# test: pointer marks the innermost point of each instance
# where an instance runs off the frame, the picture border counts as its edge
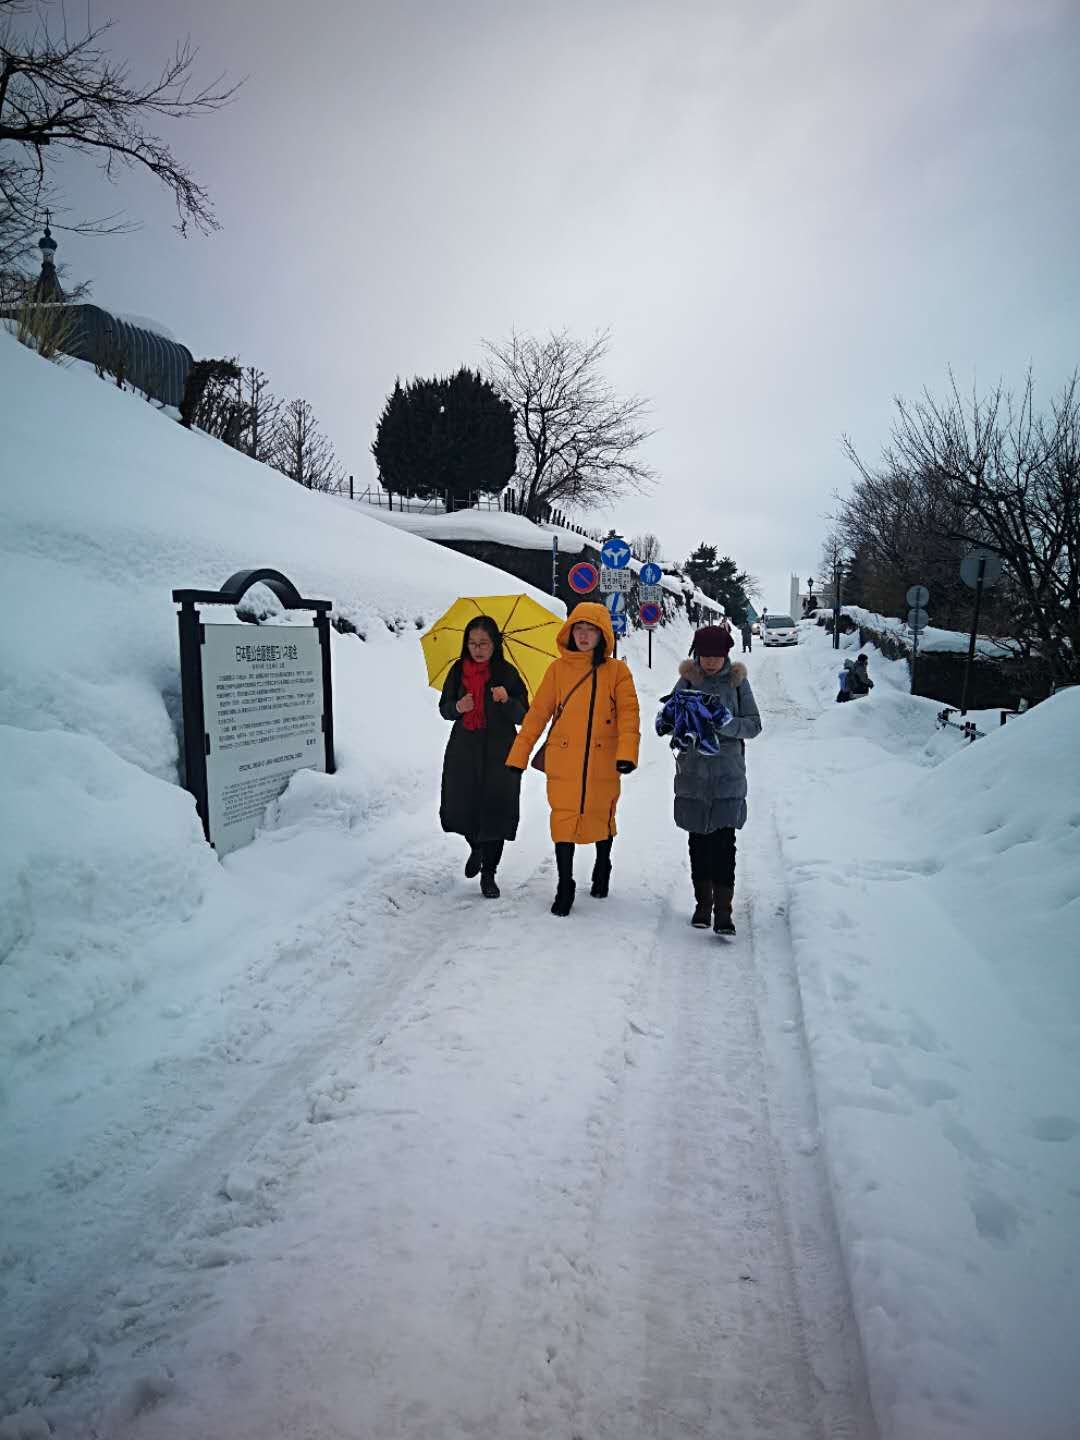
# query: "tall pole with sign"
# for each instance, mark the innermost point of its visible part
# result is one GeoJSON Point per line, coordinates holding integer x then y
{"type": "Point", "coordinates": [978, 569]}
{"type": "Point", "coordinates": [917, 598]}
{"type": "Point", "coordinates": [649, 594]}
{"type": "Point", "coordinates": [615, 581]}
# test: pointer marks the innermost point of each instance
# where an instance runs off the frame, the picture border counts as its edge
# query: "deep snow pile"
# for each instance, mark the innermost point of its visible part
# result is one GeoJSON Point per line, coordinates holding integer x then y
{"type": "Point", "coordinates": [932, 638]}
{"type": "Point", "coordinates": [935, 911]}
{"type": "Point", "coordinates": [106, 506]}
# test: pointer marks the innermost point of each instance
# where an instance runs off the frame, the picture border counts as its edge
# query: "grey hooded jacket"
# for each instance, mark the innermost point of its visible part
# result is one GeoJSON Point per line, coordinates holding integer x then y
{"type": "Point", "coordinates": [710, 790]}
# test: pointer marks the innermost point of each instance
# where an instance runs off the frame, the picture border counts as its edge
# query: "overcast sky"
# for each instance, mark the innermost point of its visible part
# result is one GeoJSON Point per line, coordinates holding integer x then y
{"type": "Point", "coordinates": [786, 213]}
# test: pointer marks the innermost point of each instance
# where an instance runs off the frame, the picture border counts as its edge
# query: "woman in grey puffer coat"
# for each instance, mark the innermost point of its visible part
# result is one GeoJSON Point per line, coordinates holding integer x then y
{"type": "Point", "coordinates": [710, 790]}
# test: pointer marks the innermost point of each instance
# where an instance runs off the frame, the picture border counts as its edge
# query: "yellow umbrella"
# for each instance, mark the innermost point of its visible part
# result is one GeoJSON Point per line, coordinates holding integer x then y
{"type": "Point", "coordinates": [528, 632]}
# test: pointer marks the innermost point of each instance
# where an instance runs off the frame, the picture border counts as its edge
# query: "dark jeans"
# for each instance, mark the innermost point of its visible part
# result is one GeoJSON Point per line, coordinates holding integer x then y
{"type": "Point", "coordinates": [712, 857]}
{"type": "Point", "coordinates": [564, 857]}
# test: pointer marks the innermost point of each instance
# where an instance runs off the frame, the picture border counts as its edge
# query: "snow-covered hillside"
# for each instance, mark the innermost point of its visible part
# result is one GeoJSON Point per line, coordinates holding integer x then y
{"type": "Point", "coordinates": [315, 1141]}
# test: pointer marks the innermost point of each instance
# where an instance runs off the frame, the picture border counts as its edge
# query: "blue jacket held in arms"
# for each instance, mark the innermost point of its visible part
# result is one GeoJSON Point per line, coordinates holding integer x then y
{"type": "Point", "coordinates": [710, 786]}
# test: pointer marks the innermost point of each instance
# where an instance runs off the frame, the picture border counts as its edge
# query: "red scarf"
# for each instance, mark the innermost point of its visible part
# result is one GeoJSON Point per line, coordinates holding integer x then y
{"type": "Point", "coordinates": [475, 678]}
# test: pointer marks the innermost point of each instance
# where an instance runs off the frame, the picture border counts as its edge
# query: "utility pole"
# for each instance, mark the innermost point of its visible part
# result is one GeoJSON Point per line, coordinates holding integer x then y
{"type": "Point", "coordinates": [837, 569]}
{"type": "Point", "coordinates": [980, 580]}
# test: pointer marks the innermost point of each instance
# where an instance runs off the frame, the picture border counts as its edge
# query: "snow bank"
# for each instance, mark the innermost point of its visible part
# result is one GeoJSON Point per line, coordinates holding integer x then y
{"type": "Point", "coordinates": [932, 638]}
{"type": "Point", "coordinates": [106, 506]}
{"type": "Point", "coordinates": [934, 893]}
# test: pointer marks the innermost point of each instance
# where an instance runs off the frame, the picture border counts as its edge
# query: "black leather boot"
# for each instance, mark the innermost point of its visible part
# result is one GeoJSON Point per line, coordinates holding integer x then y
{"type": "Point", "coordinates": [723, 898]}
{"type": "Point", "coordinates": [564, 893]}
{"type": "Point", "coordinates": [601, 875]}
{"type": "Point", "coordinates": [703, 896]}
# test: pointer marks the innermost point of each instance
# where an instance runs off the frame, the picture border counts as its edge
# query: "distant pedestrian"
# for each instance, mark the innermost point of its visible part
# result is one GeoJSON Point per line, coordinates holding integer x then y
{"type": "Point", "coordinates": [858, 677]}
{"type": "Point", "coordinates": [710, 715]}
{"type": "Point", "coordinates": [746, 630]}
{"type": "Point", "coordinates": [486, 699]}
{"type": "Point", "coordinates": [592, 704]}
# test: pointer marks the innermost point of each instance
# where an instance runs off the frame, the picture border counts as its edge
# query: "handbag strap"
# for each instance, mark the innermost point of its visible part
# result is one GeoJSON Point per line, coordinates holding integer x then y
{"type": "Point", "coordinates": [563, 704]}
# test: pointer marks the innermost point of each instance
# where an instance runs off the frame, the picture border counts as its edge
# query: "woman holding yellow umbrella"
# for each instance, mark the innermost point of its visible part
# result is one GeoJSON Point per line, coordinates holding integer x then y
{"type": "Point", "coordinates": [590, 698]}
{"type": "Point", "coordinates": [486, 699]}
{"type": "Point", "coordinates": [485, 656]}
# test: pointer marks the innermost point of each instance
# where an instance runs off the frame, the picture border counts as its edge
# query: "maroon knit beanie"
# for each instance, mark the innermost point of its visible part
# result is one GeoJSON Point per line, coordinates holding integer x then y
{"type": "Point", "coordinates": [711, 640]}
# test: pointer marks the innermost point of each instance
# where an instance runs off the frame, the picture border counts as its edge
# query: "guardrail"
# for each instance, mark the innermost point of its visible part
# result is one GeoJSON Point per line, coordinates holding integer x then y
{"type": "Point", "coordinates": [968, 728]}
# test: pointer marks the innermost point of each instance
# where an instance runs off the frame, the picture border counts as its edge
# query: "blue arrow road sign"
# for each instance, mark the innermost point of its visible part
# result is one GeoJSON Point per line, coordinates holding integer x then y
{"type": "Point", "coordinates": [615, 553]}
{"type": "Point", "coordinates": [618, 623]}
{"type": "Point", "coordinates": [615, 601]}
{"type": "Point", "coordinates": [651, 574]}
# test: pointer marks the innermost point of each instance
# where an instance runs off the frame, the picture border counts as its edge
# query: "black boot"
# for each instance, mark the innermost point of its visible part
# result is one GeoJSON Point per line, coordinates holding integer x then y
{"type": "Point", "coordinates": [601, 875]}
{"type": "Point", "coordinates": [703, 896]}
{"type": "Point", "coordinates": [475, 861]}
{"type": "Point", "coordinates": [491, 851]}
{"type": "Point", "coordinates": [723, 898]}
{"type": "Point", "coordinates": [564, 893]}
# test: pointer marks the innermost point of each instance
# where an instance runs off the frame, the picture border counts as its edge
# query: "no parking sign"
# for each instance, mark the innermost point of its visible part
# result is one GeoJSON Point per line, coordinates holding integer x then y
{"type": "Point", "coordinates": [649, 615]}
{"type": "Point", "coordinates": [583, 578]}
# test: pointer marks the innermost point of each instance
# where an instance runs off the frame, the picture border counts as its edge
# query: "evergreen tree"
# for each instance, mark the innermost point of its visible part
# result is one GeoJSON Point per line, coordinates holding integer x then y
{"type": "Point", "coordinates": [720, 579]}
{"type": "Point", "coordinates": [451, 435]}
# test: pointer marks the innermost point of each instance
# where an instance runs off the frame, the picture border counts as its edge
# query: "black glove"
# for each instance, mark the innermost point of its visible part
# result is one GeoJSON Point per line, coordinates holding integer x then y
{"type": "Point", "coordinates": [625, 767]}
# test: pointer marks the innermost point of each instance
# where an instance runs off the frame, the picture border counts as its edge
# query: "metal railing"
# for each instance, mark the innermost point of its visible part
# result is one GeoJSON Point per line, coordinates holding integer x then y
{"type": "Point", "coordinates": [968, 728]}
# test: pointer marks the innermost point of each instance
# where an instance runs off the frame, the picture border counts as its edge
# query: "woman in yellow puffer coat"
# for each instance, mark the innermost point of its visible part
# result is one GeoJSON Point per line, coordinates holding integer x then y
{"type": "Point", "coordinates": [593, 741]}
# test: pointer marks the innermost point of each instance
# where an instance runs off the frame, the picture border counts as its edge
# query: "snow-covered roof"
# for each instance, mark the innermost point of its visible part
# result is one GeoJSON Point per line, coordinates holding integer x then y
{"type": "Point", "coordinates": [499, 527]}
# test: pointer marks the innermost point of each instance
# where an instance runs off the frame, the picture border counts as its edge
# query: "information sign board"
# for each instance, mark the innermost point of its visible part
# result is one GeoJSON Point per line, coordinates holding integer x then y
{"type": "Point", "coordinates": [262, 711]}
{"type": "Point", "coordinates": [651, 574]}
{"type": "Point", "coordinates": [616, 579]}
{"type": "Point", "coordinates": [649, 594]}
{"type": "Point", "coordinates": [257, 704]}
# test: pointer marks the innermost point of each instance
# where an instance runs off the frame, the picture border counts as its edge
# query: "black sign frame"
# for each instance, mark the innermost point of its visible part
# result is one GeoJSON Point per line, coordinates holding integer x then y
{"type": "Point", "coordinates": [192, 632]}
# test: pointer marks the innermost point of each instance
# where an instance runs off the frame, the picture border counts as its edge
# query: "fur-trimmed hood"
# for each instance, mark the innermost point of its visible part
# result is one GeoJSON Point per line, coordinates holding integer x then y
{"type": "Point", "coordinates": [733, 673]}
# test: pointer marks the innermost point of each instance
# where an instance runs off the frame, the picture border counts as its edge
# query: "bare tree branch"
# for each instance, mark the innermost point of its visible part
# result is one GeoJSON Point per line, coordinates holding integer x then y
{"type": "Point", "coordinates": [61, 95]}
{"type": "Point", "coordinates": [577, 440]}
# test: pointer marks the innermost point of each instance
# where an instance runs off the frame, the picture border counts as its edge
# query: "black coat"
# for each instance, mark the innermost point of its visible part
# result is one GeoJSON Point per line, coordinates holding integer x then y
{"type": "Point", "coordinates": [480, 796]}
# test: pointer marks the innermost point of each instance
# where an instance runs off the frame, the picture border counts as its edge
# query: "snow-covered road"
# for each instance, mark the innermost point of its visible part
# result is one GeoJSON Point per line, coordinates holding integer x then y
{"type": "Point", "coordinates": [442, 1167]}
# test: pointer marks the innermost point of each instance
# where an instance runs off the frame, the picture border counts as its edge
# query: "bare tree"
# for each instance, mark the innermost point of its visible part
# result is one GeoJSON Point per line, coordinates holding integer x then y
{"type": "Point", "coordinates": [992, 472]}
{"type": "Point", "coordinates": [646, 547]}
{"type": "Point", "coordinates": [301, 450]}
{"type": "Point", "coordinates": [577, 440]}
{"type": "Point", "coordinates": [60, 95]}
{"type": "Point", "coordinates": [260, 411]}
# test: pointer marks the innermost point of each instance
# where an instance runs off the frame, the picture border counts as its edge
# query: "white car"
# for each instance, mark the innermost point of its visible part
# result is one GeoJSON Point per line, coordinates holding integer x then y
{"type": "Point", "coordinates": [779, 630]}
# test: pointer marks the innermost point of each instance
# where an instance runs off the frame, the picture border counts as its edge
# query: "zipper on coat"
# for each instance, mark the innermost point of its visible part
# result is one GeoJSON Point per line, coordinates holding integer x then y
{"type": "Point", "coordinates": [588, 743]}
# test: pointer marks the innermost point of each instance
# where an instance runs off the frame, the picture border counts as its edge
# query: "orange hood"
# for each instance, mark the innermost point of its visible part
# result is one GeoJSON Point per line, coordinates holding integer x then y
{"type": "Point", "coordinates": [596, 615]}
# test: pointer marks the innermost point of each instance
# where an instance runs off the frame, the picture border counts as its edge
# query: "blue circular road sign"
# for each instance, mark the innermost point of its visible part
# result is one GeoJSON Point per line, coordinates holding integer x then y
{"type": "Point", "coordinates": [615, 553]}
{"type": "Point", "coordinates": [651, 574]}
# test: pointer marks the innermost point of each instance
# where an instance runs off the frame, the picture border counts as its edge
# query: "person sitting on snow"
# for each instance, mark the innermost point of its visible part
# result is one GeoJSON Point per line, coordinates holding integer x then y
{"type": "Point", "coordinates": [858, 677]}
